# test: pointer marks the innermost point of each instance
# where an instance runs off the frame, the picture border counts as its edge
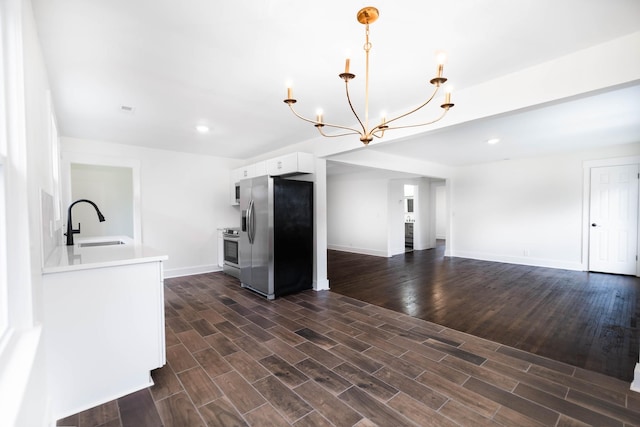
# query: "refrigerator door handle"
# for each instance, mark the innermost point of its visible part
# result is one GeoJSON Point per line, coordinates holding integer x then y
{"type": "Point", "coordinates": [250, 222]}
{"type": "Point", "coordinates": [253, 221]}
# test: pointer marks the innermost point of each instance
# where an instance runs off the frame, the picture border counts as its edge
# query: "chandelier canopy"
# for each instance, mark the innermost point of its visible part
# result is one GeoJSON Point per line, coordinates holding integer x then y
{"type": "Point", "coordinates": [366, 16]}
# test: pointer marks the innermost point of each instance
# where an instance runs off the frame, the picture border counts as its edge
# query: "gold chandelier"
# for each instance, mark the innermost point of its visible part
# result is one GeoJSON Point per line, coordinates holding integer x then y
{"type": "Point", "coordinates": [366, 16]}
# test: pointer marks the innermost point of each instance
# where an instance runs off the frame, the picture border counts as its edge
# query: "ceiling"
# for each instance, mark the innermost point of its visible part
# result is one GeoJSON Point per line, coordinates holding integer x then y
{"type": "Point", "coordinates": [226, 65]}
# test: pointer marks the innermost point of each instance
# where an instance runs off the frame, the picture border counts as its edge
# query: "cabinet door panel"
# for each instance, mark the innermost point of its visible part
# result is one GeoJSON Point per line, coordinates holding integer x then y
{"type": "Point", "coordinates": [290, 164]}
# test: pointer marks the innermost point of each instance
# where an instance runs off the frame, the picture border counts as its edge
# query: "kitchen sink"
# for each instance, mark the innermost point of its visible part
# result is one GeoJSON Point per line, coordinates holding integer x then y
{"type": "Point", "coordinates": [105, 243]}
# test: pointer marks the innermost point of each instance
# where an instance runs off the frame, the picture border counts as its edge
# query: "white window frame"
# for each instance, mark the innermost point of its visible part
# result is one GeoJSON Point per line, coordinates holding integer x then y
{"type": "Point", "coordinates": [20, 340]}
{"type": "Point", "coordinates": [4, 117]}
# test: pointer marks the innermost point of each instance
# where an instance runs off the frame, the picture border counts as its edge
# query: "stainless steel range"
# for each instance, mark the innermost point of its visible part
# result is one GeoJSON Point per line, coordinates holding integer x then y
{"type": "Point", "coordinates": [231, 238]}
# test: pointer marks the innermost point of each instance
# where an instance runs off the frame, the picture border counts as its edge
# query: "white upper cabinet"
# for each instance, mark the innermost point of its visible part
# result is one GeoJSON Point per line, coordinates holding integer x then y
{"type": "Point", "coordinates": [291, 164]}
{"type": "Point", "coordinates": [249, 171]}
{"type": "Point", "coordinates": [260, 169]}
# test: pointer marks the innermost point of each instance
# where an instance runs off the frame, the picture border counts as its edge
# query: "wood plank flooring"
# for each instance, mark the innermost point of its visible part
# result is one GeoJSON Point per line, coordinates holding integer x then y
{"type": "Point", "coordinates": [325, 359]}
{"type": "Point", "coordinates": [585, 319]}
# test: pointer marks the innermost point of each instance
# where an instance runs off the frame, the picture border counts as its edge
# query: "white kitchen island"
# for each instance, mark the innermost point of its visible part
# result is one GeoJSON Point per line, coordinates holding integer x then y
{"type": "Point", "coordinates": [103, 323]}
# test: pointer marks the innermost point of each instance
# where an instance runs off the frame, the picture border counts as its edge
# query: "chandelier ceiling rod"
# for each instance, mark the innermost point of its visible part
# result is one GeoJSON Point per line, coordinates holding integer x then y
{"type": "Point", "coordinates": [366, 16]}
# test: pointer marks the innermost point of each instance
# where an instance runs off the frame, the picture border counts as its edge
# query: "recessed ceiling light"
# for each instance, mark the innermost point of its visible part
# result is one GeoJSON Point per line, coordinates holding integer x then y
{"type": "Point", "coordinates": [202, 128]}
{"type": "Point", "coordinates": [493, 141]}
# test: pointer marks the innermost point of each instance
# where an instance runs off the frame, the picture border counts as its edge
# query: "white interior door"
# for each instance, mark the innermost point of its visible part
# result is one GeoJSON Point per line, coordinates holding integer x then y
{"type": "Point", "coordinates": [613, 219]}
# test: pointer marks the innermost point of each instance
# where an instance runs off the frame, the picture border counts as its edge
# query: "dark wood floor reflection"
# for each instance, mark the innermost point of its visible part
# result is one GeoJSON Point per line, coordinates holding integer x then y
{"type": "Point", "coordinates": [323, 359]}
{"type": "Point", "coordinates": [588, 320]}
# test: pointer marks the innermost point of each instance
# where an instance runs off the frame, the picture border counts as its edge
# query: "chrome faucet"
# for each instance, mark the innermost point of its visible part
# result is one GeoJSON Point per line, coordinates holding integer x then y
{"type": "Point", "coordinates": [70, 231]}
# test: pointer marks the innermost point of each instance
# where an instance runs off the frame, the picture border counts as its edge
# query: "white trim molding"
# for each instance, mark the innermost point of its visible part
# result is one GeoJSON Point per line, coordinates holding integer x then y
{"type": "Point", "coordinates": [363, 251]}
{"type": "Point", "coordinates": [190, 271]}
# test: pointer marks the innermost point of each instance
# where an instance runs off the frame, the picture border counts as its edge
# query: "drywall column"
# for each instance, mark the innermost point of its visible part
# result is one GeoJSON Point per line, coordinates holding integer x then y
{"type": "Point", "coordinates": [320, 280]}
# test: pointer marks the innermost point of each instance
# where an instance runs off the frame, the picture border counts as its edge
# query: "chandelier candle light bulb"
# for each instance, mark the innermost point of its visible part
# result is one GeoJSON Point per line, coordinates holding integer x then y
{"type": "Point", "coordinates": [447, 99]}
{"type": "Point", "coordinates": [366, 16]}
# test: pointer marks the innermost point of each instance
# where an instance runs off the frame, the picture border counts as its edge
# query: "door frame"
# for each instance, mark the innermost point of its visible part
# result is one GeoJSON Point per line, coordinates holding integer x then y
{"type": "Point", "coordinates": [587, 166]}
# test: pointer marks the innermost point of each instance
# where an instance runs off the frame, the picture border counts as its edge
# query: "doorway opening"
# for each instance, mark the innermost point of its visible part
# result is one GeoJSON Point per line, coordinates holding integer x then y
{"type": "Point", "coordinates": [440, 208]}
{"type": "Point", "coordinates": [409, 216]}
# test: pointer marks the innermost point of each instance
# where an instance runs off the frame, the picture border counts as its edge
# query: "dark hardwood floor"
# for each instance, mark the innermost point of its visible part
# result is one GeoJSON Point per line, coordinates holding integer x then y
{"type": "Point", "coordinates": [321, 359]}
{"type": "Point", "coordinates": [584, 319]}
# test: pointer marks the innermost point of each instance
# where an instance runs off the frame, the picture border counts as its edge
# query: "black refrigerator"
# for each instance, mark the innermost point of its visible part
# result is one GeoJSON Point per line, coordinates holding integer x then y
{"type": "Point", "coordinates": [276, 235]}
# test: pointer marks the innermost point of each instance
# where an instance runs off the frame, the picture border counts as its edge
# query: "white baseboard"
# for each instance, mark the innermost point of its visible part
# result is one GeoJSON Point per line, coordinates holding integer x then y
{"type": "Point", "coordinates": [190, 271]}
{"type": "Point", "coordinates": [635, 385]}
{"type": "Point", "coordinates": [508, 259]}
{"type": "Point", "coordinates": [363, 251]}
{"type": "Point", "coordinates": [321, 285]}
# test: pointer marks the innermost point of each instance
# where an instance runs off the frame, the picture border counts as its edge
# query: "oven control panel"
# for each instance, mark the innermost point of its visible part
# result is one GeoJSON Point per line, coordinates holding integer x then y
{"type": "Point", "coordinates": [231, 232]}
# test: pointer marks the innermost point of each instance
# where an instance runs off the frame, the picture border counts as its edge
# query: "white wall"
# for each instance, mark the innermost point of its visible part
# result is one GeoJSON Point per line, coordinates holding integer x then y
{"type": "Point", "coordinates": [527, 211]}
{"type": "Point", "coordinates": [319, 177]}
{"type": "Point", "coordinates": [111, 189]}
{"type": "Point", "coordinates": [25, 144]}
{"type": "Point", "coordinates": [357, 215]}
{"type": "Point", "coordinates": [441, 210]}
{"type": "Point", "coordinates": [524, 211]}
{"type": "Point", "coordinates": [395, 207]}
{"type": "Point", "coordinates": [365, 214]}
{"type": "Point", "coordinates": [424, 219]}
{"type": "Point", "coordinates": [184, 199]}
{"type": "Point", "coordinates": [40, 177]}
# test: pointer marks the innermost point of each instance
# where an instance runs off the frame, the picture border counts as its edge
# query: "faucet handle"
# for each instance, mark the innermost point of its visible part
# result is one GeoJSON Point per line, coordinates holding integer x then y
{"type": "Point", "coordinates": [73, 231]}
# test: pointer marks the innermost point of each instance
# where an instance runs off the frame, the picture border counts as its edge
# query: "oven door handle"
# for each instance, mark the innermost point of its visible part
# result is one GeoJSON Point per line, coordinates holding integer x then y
{"type": "Point", "coordinates": [250, 222]}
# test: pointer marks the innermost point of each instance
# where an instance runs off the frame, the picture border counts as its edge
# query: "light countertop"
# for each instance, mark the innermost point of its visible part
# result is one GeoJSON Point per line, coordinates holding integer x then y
{"type": "Point", "coordinates": [77, 257]}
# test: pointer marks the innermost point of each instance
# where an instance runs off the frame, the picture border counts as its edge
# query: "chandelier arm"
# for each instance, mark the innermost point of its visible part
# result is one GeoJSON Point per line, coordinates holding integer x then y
{"type": "Point", "coordinates": [353, 132]}
{"type": "Point", "coordinates": [315, 122]}
{"type": "Point", "coordinates": [433, 95]}
{"type": "Point", "coordinates": [420, 124]}
{"type": "Point", "coordinates": [364, 130]}
{"type": "Point", "coordinates": [299, 116]}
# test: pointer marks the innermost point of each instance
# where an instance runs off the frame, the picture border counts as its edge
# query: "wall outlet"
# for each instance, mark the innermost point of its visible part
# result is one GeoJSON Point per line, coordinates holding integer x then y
{"type": "Point", "coordinates": [525, 252]}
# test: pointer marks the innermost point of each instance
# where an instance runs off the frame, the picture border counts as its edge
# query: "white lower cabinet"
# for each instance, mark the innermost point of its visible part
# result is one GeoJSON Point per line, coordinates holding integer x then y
{"type": "Point", "coordinates": [104, 333]}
